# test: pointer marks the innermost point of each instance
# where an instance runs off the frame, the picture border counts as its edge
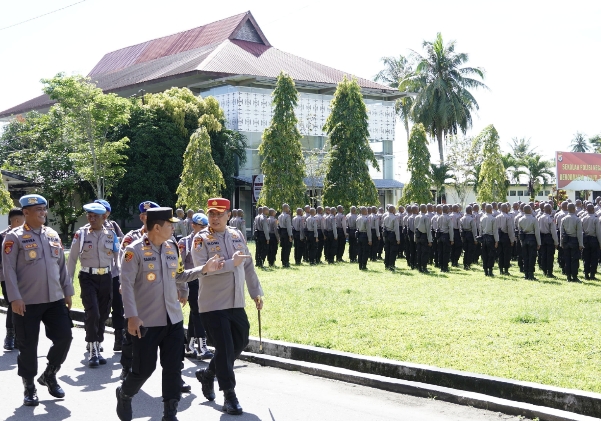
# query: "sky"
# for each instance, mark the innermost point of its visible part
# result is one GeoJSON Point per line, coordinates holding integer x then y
{"type": "Point", "coordinates": [541, 58]}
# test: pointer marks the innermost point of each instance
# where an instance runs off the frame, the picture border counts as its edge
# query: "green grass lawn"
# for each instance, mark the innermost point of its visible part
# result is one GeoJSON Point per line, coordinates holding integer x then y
{"type": "Point", "coordinates": [545, 331]}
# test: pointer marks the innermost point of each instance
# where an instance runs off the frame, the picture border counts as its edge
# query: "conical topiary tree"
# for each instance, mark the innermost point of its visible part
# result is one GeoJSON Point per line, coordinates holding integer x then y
{"type": "Point", "coordinates": [492, 184]}
{"type": "Point", "coordinates": [418, 164]}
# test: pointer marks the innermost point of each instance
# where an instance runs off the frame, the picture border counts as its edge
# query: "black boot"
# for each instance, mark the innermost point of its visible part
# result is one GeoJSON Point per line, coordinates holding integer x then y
{"type": "Point", "coordinates": [207, 380]}
{"type": "Point", "coordinates": [230, 403]}
{"type": "Point", "coordinates": [48, 379]}
{"type": "Point", "coordinates": [170, 410]}
{"type": "Point", "coordinates": [186, 388]}
{"type": "Point", "coordinates": [118, 346]}
{"type": "Point", "coordinates": [124, 411]}
{"type": "Point", "coordinates": [30, 394]}
{"type": "Point", "coordinates": [9, 341]}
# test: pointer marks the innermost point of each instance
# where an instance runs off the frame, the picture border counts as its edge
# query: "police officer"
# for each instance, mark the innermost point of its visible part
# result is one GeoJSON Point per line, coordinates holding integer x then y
{"type": "Point", "coordinates": [241, 223]}
{"type": "Point", "coordinates": [423, 239]}
{"type": "Point", "coordinates": [95, 246]}
{"type": "Point", "coordinates": [285, 229]}
{"type": "Point", "coordinates": [151, 269]}
{"type": "Point", "coordinates": [364, 238]}
{"type": "Point", "coordinates": [457, 244]}
{"type": "Point", "coordinates": [298, 235]}
{"type": "Point", "coordinates": [530, 238]}
{"type": "Point", "coordinates": [549, 241]}
{"type": "Point", "coordinates": [15, 219]}
{"type": "Point", "coordinates": [591, 227]}
{"type": "Point", "coordinates": [197, 336]}
{"type": "Point", "coordinates": [351, 220]}
{"type": "Point", "coordinates": [341, 232]}
{"type": "Point", "coordinates": [312, 236]}
{"type": "Point", "coordinates": [490, 240]}
{"type": "Point", "coordinates": [571, 239]}
{"type": "Point", "coordinates": [469, 232]}
{"type": "Point", "coordinates": [411, 248]}
{"type": "Point", "coordinates": [320, 236]}
{"type": "Point", "coordinates": [393, 238]}
{"type": "Point", "coordinates": [221, 300]}
{"type": "Point", "coordinates": [506, 239]}
{"type": "Point", "coordinates": [446, 238]}
{"type": "Point", "coordinates": [117, 318]}
{"type": "Point", "coordinates": [39, 291]}
{"type": "Point", "coordinates": [129, 238]}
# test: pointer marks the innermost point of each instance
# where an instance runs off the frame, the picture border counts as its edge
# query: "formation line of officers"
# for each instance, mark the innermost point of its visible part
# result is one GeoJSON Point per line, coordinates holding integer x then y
{"type": "Point", "coordinates": [435, 235]}
{"type": "Point", "coordinates": [145, 277]}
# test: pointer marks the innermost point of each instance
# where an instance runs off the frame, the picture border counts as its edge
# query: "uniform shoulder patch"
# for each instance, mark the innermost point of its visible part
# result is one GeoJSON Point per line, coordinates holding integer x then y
{"type": "Point", "coordinates": [8, 246]}
{"type": "Point", "coordinates": [129, 255]}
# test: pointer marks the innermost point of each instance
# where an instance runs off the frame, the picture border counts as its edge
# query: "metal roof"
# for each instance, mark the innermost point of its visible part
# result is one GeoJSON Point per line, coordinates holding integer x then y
{"type": "Point", "coordinates": [204, 54]}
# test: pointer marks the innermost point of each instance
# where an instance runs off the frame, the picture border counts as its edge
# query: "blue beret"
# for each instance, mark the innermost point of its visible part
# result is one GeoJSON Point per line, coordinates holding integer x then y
{"type": "Point", "coordinates": [104, 203]}
{"type": "Point", "coordinates": [31, 200]}
{"type": "Point", "coordinates": [144, 206]}
{"type": "Point", "coordinates": [200, 219]}
{"type": "Point", "coordinates": [96, 208]}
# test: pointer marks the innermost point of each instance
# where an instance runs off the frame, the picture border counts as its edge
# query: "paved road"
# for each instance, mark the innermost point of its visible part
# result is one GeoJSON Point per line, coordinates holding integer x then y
{"type": "Point", "coordinates": [266, 394]}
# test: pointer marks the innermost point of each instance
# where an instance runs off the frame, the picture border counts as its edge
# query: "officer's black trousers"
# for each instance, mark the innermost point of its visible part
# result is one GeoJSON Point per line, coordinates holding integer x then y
{"type": "Point", "coordinates": [445, 251]}
{"type": "Point", "coordinates": [547, 253]}
{"type": "Point", "coordinates": [9, 310]}
{"type": "Point", "coordinates": [375, 244]}
{"type": "Point", "coordinates": [195, 328]}
{"type": "Point", "coordinates": [311, 246]}
{"type": "Point", "coordinates": [402, 246]}
{"type": "Point", "coordinates": [261, 250]}
{"type": "Point", "coordinates": [286, 247]}
{"type": "Point", "coordinates": [422, 250]}
{"type": "Point", "coordinates": [363, 249]}
{"type": "Point", "coordinates": [469, 248]}
{"type": "Point", "coordinates": [504, 250]}
{"type": "Point", "coordinates": [488, 252]}
{"type": "Point", "coordinates": [381, 243]}
{"type": "Point", "coordinates": [272, 250]}
{"type": "Point", "coordinates": [529, 253]}
{"type": "Point", "coordinates": [410, 251]}
{"type": "Point", "coordinates": [228, 331]}
{"type": "Point", "coordinates": [456, 249]}
{"type": "Point", "coordinates": [590, 255]}
{"type": "Point", "coordinates": [434, 251]}
{"type": "Point", "coordinates": [117, 306]}
{"type": "Point", "coordinates": [127, 349]}
{"type": "Point", "coordinates": [96, 297]}
{"type": "Point", "coordinates": [330, 246]}
{"type": "Point", "coordinates": [560, 259]}
{"type": "Point", "coordinates": [352, 244]}
{"type": "Point", "coordinates": [299, 247]}
{"type": "Point", "coordinates": [168, 340]}
{"type": "Point", "coordinates": [390, 249]}
{"type": "Point", "coordinates": [320, 245]}
{"type": "Point", "coordinates": [519, 251]}
{"type": "Point", "coordinates": [341, 244]}
{"type": "Point", "coordinates": [57, 322]}
{"type": "Point", "coordinates": [571, 255]}
{"type": "Point", "coordinates": [334, 246]}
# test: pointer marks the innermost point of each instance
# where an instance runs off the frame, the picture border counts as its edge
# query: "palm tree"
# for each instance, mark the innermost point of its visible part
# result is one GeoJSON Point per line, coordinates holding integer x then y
{"type": "Point", "coordinates": [443, 103]}
{"type": "Point", "coordinates": [538, 171]}
{"type": "Point", "coordinates": [579, 143]}
{"type": "Point", "coordinates": [520, 148]}
{"type": "Point", "coordinates": [439, 175]}
{"type": "Point", "coordinates": [395, 70]}
{"type": "Point", "coordinates": [595, 142]}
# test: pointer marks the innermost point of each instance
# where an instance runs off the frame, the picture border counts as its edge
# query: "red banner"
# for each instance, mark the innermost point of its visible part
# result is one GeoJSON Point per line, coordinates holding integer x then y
{"type": "Point", "coordinates": [575, 165]}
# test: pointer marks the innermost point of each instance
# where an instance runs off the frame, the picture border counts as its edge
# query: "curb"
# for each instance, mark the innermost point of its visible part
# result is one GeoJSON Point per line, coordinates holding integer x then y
{"type": "Point", "coordinates": [445, 394]}
{"type": "Point", "coordinates": [420, 380]}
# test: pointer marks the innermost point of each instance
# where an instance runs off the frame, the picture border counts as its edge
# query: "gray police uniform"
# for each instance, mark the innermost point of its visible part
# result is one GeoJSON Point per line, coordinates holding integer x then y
{"type": "Point", "coordinates": [469, 231]}
{"type": "Point", "coordinates": [506, 238]}
{"type": "Point", "coordinates": [150, 276]}
{"type": "Point", "coordinates": [285, 227]}
{"type": "Point", "coordinates": [364, 237]}
{"type": "Point", "coordinates": [298, 236]}
{"type": "Point", "coordinates": [9, 310]}
{"type": "Point", "coordinates": [311, 235]}
{"type": "Point", "coordinates": [195, 328]}
{"type": "Point", "coordinates": [392, 238]}
{"type": "Point", "coordinates": [571, 239]}
{"type": "Point", "coordinates": [95, 251]}
{"type": "Point", "coordinates": [35, 272]}
{"type": "Point", "coordinates": [548, 240]}
{"type": "Point", "coordinates": [591, 227]}
{"type": "Point", "coordinates": [221, 299]}
{"type": "Point", "coordinates": [351, 220]}
{"type": "Point", "coordinates": [490, 236]}
{"type": "Point", "coordinates": [423, 236]}
{"type": "Point", "coordinates": [342, 233]}
{"type": "Point", "coordinates": [445, 238]}
{"type": "Point", "coordinates": [530, 232]}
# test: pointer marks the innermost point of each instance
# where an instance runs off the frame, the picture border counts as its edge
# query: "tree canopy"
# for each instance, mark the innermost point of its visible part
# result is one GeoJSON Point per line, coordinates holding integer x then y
{"type": "Point", "coordinates": [347, 181]}
{"type": "Point", "coordinates": [282, 162]}
{"type": "Point", "coordinates": [418, 164]}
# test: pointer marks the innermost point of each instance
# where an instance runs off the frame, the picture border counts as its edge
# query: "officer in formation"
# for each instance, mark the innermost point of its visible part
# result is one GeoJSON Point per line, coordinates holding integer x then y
{"type": "Point", "coordinates": [39, 290]}
{"type": "Point", "coordinates": [196, 341]}
{"type": "Point", "coordinates": [351, 220]}
{"type": "Point", "coordinates": [490, 240]}
{"type": "Point", "coordinates": [469, 232]}
{"type": "Point", "coordinates": [15, 219]}
{"type": "Point", "coordinates": [392, 237]}
{"type": "Point", "coordinates": [423, 239]}
{"type": "Point", "coordinates": [225, 264]}
{"type": "Point", "coordinates": [96, 247]}
{"type": "Point", "coordinates": [152, 280]}
{"type": "Point", "coordinates": [285, 230]}
{"type": "Point", "coordinates": [298, 236]}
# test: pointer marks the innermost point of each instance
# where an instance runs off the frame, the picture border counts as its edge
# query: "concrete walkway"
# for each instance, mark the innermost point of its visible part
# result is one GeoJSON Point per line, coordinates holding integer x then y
{"type": "Point", "coordinates": [265, 393]}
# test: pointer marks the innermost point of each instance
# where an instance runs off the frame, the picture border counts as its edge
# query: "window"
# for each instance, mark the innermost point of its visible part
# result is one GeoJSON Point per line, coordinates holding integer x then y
{"type": "Point", "coordinates": [512, 192]}
{"type": "Point", "coordinates": [547, 192]}
{"type": "Point", "coordinates": [540, 193]}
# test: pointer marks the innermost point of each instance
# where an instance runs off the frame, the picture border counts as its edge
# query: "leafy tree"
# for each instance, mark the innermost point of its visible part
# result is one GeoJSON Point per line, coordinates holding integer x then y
{"type": "Point", "coordinates": [443, 103]}
{"type": "Point", "coordinates": [418, 164]}
{"type": "Point", "coordinates": [90, 115]}
{"type": "Point", "coordinates": [6, 203]}
{"type": "Point", "coordinates": [228, 148]}
{"type": "Point", "coordinates": [440, 175]}
{"type": "Point", "coordinates": [316, 164]}
{"type": "Point", "coordinates": [281, 152]}
{"type": "Point", "coordinates": [520, 148]}
{"type": "Point", "coordinates": [201, 179]}
{"type": "Point", "coordinates": [347, 181]}
{"type": "Point", "coordinates": [395, 70]}
{"type": "Point", "coordinates": [464, 159]}
{"type": "Point", "coordinates": [538, 171]}
{"type": "Point", "coordinates": [595, 142]}
{"type": "Point", "coordinates": [44, 157]}
{"type": "Point", "coordinates": [579, 143]}
{"type": "Point", "coordinates": [492, 179]}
